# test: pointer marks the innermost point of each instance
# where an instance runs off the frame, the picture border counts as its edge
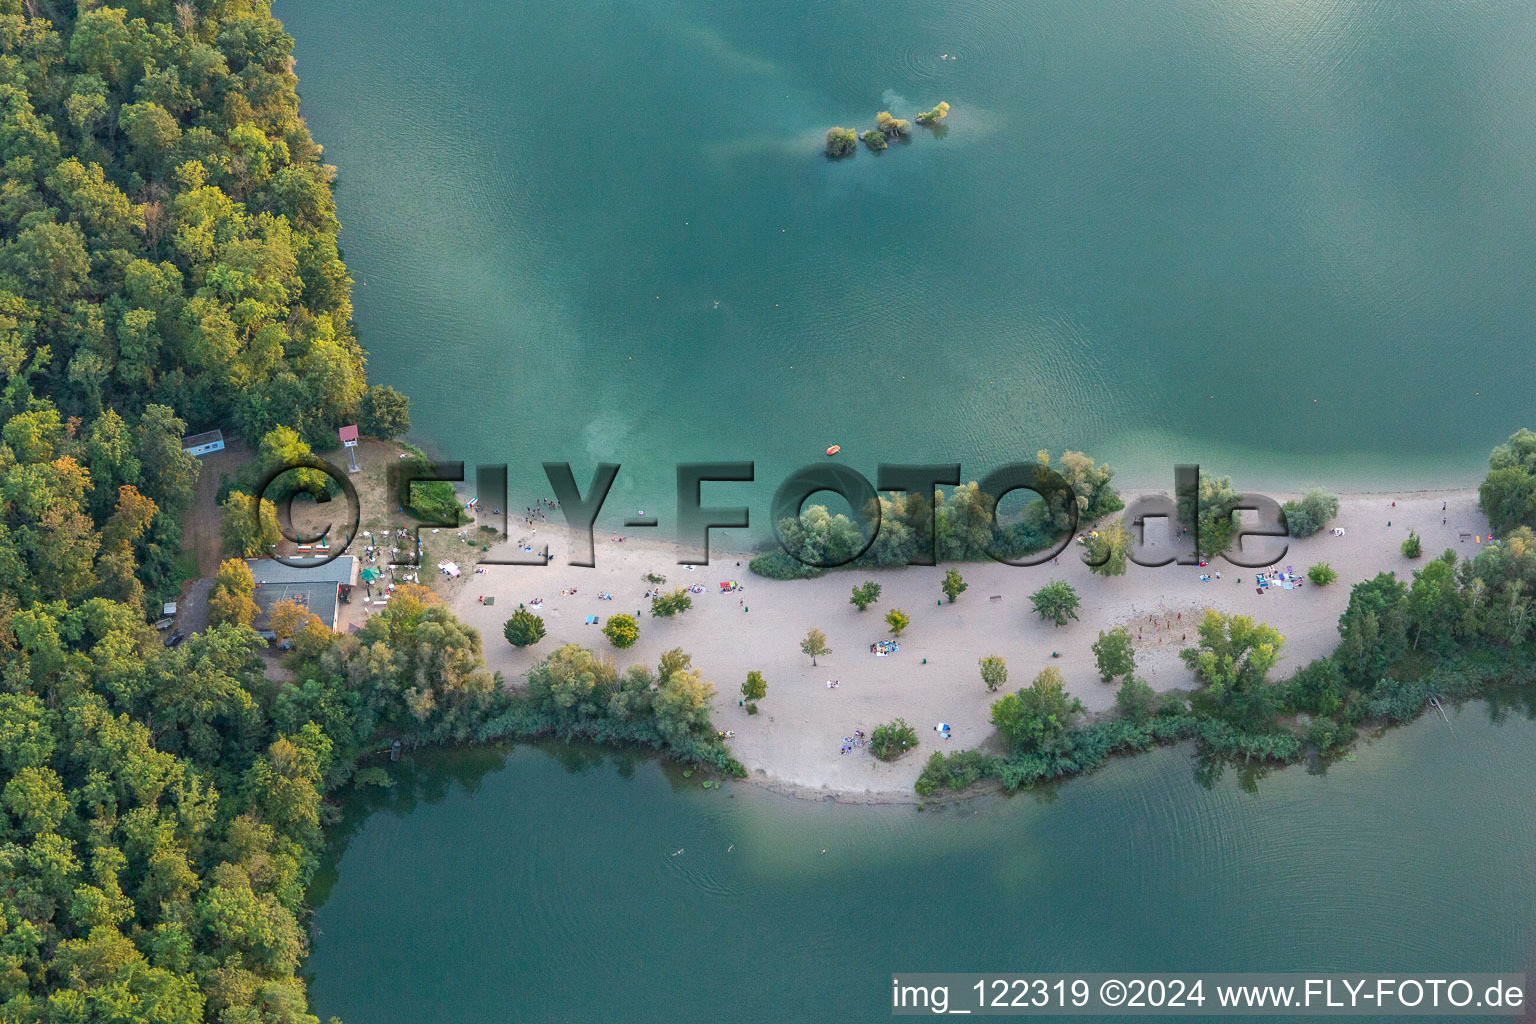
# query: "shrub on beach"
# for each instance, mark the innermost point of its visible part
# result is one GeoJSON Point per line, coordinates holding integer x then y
{"type": "Point", "coordinates": [994, 671]}
{"type": "Point", "coordinates": [960, 770]}
{"type": "Point", "coordinates": [1056, 601]}
{"type": "Point", "coordinates": [954, 585]}
{"type": "Point", "coordinates": [622, 631]}
{"type": "Point", "coordinates": [897, 620]}
{"type": "Point", "coordinates": [865, 594]}
{"type": "Point", "coordinates": [665, 606]}
{"type": "Point", "coordinates": [1310, 513]}
{"type": "Point", "coordinates": [776, 565]}
{"type": "Point", "coordinates": [523, 629]}
{"type": "Point", "coordinates": [1412, 547]}
{"type": "Point", "coordinates": [815, 644]}
{"type": "Point", "coordinates": [1114, 653]}
{"type": "Point", "coordinates": [1322, 574]}
{"type": "Point", "coordinates": [754, 690]}
{"type": "Point", "coordinates": [890, 741]}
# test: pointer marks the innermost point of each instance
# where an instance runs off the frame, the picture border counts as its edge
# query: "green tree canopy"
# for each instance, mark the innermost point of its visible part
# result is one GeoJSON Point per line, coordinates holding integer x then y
{"type": "Point", "coordinates": [622, 631]}
{"type": "Point", "coordinates": [524, 628]}
{"type": "Point", "coordinates": [231, 600]}
{"type": "Point", "coordinates": [667, 605]}
{"type": "Point", "coordinates": [247, 532]}
{"type": "Point", "coordinates": [865, 594]}
{"type": "Point", "coordinates": [1508, 493]}
{"type": "Point", "coordinates": [954, 585]}
{"type": "Point", "coordinates": [755, 688]}
{"type": "Point", "coordinates": [1114, 653]}
{"type": "Point", "coordinates": [1373, 628]}
{"type": "Point", "coordinates": [815, 644]}
{"type": "Point", "coordinates": [841, 142]}
{"type": "Point", "coordinates": [1232, 658]}
{"type": "Point", "coordinates": [994, 671]}
{"type": "Point", "coordinates": [1034, 718]}
{"type": "Point", "coordinates": [1136, 699]}
{"type": "Point", "coordinates": [385, 412]}
{"type": "Point", "coordinates": [1108, 549]}
{"type": "Point", "coordinates": [891, 740]}
{"type": "Point", "coordinates": [1310, 513]}
{"type": "Point", "coordinates": [1208, 513]}
{"type": "Point", "coordinates": [933, 116]}
{"type": "Point", "coordinates": [1056, 602]}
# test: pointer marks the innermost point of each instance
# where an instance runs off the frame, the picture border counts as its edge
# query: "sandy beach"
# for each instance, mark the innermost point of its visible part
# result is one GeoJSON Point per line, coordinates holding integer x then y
{"type": "Point", "coordinates": [793, 743]}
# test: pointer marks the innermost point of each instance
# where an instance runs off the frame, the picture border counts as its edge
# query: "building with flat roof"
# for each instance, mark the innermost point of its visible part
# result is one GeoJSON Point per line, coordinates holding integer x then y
{"type": "Point", "coordinates": [315, 587]}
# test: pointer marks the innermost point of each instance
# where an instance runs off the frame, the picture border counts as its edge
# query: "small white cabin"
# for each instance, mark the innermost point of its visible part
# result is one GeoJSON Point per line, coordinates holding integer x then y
{"type": "Point", "coordinates": [202, 444]}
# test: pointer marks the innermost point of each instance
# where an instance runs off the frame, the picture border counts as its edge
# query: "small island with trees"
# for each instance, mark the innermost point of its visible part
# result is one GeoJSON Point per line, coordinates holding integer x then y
{"type": "Point", "coordinates": [934, 116]}
{"type": "Point", "coordinates": [844, 142]}
{"type": "Point", "coordinates": [841, 142]}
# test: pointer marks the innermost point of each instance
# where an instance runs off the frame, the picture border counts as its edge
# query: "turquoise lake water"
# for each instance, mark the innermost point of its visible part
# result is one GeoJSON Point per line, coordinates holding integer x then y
{"type": "Point", "coordinates": [603, 230]}
{"type": "Point", "coordinates": [539, 886]}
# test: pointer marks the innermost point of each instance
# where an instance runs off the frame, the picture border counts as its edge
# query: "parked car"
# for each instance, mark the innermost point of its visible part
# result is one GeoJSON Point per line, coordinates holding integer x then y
{"type": "Point", "coordinates": [174, 639]}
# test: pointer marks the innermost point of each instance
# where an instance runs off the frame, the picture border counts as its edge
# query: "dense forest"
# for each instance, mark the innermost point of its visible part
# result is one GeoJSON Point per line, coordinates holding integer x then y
{"type": "Point", "coordinates": [168, 264]}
